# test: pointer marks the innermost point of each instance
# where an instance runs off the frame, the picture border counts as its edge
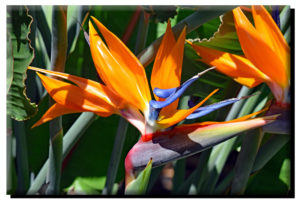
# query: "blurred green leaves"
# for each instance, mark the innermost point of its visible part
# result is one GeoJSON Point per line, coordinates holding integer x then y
{"type": "Point", "coordinates": [20, 55]}
{"type": "Point", "coordinates": [88, 186]}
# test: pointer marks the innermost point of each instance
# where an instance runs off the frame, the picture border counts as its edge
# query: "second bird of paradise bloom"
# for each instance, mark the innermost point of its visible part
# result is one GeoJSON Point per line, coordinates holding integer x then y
{"type": "Point", "coordinates": [267, 54]}
{"type": "Point", "coordinates": [126, 91]}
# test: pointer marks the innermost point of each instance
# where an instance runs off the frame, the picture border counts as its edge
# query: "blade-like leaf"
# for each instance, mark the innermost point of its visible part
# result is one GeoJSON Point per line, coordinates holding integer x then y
{"type": "Point", "coordinates": [139, 185]}
{"type": "Point", "coordinates": [245, 160]}
{"type": "Point", "coordinates": [18, 28]}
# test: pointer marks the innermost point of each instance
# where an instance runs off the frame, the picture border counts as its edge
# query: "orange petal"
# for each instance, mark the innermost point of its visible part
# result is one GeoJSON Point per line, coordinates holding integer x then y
{"type": "Point", "coordinates": [158, 78]}
{"type": "Point", "coordinates": [125, 78]}
{"type": "Point", "coordinates": [258, 51]}
{"type": "Point", "coordinates": [54, 111]}
{"type": "Point", "coordinates": [74, 97]}
{"type": "Point", "coordinates": [249, 82]}
{"type": "Point", "coordinates": [181, 114]}
{"type": "Point", "coordinates": [267, 27]}
{"type": "Point", "coordinates": [235, 66]}
{"type": "Point", "coordinates": [167, 68]}
{"type": "Point", "coordinates": [90, 86]}
{"type": "Point", "coordinates": [125, 57]}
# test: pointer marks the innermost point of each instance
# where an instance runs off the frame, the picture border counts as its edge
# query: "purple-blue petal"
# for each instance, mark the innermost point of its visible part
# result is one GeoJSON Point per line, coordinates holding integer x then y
{"type": "Point", "coordinates": [201, 111]}
{"type": "Point", "coordinates": [176, 94]}
{"type": "Point", "coordinates": [163, 93]}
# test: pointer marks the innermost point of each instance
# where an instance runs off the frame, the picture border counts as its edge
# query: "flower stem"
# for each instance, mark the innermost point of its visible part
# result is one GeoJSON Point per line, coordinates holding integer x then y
{"type": "Point", "coordinates": [115, 157]}
{"type": "Point", "coordinates": [22, 157]}
{"type": "Point", "coordinates": [58, 59]}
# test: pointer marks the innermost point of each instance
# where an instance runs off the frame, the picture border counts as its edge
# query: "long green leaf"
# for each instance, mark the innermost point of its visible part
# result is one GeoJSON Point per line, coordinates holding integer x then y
{"type": "Point", "coordinates": [245, 160]}
{"type": "Point", "coordinates": [18, 28]}
{"type": "Point", "coordinates": [268, 150]}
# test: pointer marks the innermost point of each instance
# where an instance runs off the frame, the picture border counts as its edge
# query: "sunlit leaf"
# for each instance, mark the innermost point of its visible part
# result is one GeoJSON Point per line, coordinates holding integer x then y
{"type": "Point", "coordinates": [86, 185]}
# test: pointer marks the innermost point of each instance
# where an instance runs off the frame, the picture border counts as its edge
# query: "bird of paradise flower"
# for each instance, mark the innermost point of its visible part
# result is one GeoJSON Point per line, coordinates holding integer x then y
{"type": "Point", "coordinates": [126, 92]}
{"type": "Point", "coordinates": [267, 54]}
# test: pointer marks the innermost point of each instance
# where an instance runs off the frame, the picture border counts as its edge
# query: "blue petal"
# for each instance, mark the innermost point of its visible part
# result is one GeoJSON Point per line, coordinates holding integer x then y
{"type": "Point", "coordinates": [177, 92]}
{"type": "Point", "coordinates": [201, 111]}
{"type": "Point", "coordinates": [163, 93]}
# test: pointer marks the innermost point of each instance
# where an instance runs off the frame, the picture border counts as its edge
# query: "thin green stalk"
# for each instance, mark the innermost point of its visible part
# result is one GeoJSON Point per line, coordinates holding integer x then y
{"type": "Point", "coordinates": [22, 157]}
{"type": "Point", "coordinates": [123, 124]}
{"type": "Point", "coordinates": [115, 157]}
{"type": "Point", "coordinates": [191, 22]}
{"type": "Point", "coordinates": [69, 140]}
{"type": "Point", "coordinates": [245, 161]}
{"type": "Point", "coordinates": [58, 60]}
{"type": "Point", "coordinates": [221, 152]}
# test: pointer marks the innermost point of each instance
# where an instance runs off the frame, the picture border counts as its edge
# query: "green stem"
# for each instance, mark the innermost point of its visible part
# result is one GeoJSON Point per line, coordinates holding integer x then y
{"type": "Point", "coordinates": [22, 157]}
{"type": "Point", "coordinates": [116, 156]}
{"type": "Point", "coordinates": [58, 60]}
{"type": "Point", "coordinates": [191, 22]}
{"type": "Point", "coordinates": [69, 140]}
